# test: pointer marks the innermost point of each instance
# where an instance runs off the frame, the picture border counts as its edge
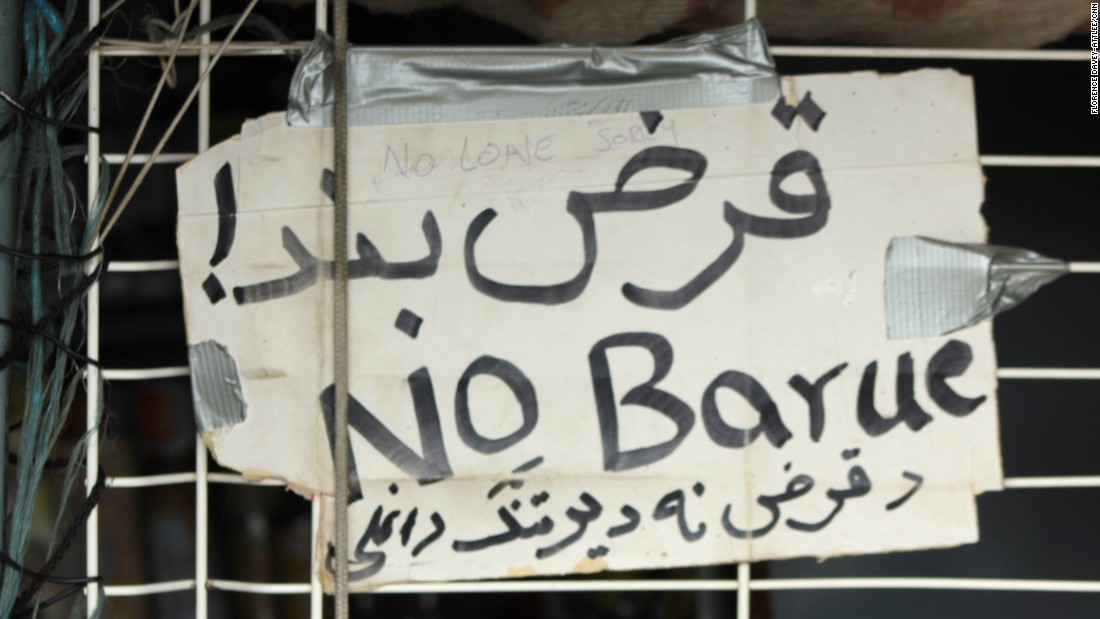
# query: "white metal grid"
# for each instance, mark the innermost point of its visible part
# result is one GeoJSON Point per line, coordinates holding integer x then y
{"type": "Point", "coordinates": [201, 477]}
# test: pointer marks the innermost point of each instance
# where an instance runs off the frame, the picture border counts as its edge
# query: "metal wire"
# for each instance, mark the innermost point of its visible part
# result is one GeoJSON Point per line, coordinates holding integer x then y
{"type": "Point", "coordinates": [205, 63]}
{"type": "Point", "coordinates": [340, 303]}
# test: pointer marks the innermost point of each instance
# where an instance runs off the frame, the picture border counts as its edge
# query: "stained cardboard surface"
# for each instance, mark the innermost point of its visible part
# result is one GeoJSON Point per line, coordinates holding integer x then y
{"type": "Point", "coordinates": [651, 427]}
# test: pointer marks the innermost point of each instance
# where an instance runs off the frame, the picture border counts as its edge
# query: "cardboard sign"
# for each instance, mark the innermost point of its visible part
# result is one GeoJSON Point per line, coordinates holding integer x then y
{"type": "Point", "coordinates": [602, 342]}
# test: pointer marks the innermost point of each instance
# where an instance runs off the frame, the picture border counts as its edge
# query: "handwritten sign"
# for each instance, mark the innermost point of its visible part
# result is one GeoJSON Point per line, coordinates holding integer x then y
{"type": "Point", "coordinates": [602, 342]}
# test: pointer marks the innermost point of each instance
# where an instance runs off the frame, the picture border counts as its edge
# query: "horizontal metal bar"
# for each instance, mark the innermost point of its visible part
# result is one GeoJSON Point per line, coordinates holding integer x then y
{"type": "Point", "coordinates": [1040, 161]}
{"type": "Point", "coordinates": [1023, 161]}
{"type": "Point", "coordinates": [187, 477]}
{"type": "Point", "coordinates": [970, 584]}
{"type": "Point", "coordinates": [268, 588]}
{"type": "Point", "coordinates": [1066, 481]}
{"type": "Point", "coordinates": [147, 481]}
{"type": "Point", "coordinates": [146, 373]}
{"type": "Point", "coordinates": [768, 584]}
{"type": "Point", "coordinates": [149, 588]}
{"type": "Point", "coordinates": [583, 586]}
{"type": "Point", "coordinates": [1049, 373]}
{"type": "Point", "coordinates": [1006, 373]}
{"type": "Point", "coordinates": [560, 586]}
{"type": "Point", "coordinates": [233, 478]}
{"type": "Point", "coordinates": [142, 266]}
{"type": "Point", "coordinates": [830, 51]}
{"type": "Point", "coordinates": [129, 47]}
{"type": "Point", "coordinates": [143, 157]}
{"type": "Point", "coordinates": [167, 479]}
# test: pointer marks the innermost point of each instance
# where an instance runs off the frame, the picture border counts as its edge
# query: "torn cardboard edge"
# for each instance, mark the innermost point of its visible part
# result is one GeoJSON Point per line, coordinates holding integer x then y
{"type": "Point", "coordinates": [730, 66]}
{"type": "Point", "coordinates": [935, 287]}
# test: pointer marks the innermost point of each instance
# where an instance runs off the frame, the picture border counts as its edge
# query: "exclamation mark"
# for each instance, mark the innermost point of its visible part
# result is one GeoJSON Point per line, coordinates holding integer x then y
{"type": "Point", "coordinates": [227, 229]}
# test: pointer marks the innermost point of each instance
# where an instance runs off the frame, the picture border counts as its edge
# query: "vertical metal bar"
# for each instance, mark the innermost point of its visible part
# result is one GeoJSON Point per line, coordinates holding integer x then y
{"type": "Point", "coordinates": [10, 47]}
{"type": "Point", "coordinates": [743, 581]}
{"type": "Point", "coordinates": [204, 88]}
{"type": "Point", "coordinates": [202, 488]}
{"type": "Point", "coordinates": [201, 530]}
{"type": "Point", "coordinates": [744, 570]}
{"type": "Point", "coordinates": [92, 388]}
{"type": "Point", "coordinates": [320, 15]}
{"type": "Point", "coordinates": [92, 377]}
{"type": "Point", "coordinates": [316, 594]}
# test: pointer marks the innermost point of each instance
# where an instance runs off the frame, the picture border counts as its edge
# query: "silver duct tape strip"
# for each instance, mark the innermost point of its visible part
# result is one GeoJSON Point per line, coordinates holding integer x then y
{"type": "Point", "coordinates": [934, 287]}
{"type": "Point", "coordinates": [215, 387]}
{"type": "Point", "coordinates": [731, 66]}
